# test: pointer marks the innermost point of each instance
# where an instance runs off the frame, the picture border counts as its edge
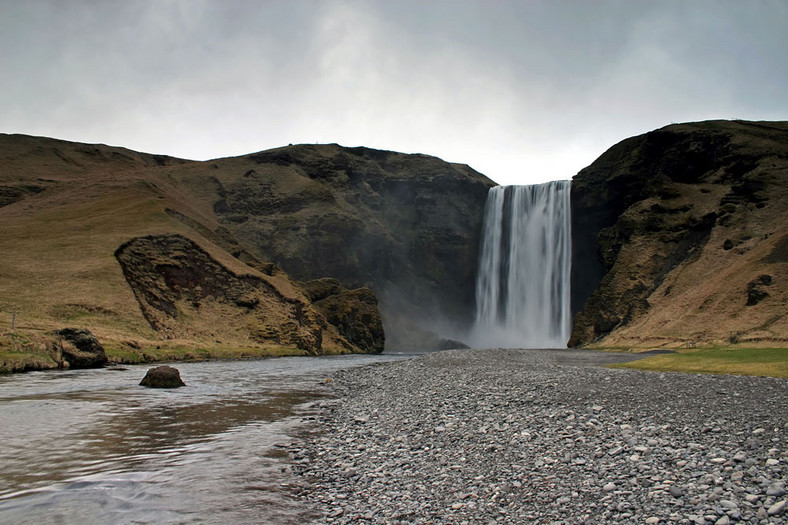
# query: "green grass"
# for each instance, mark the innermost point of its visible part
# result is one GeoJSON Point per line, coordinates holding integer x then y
{"type": "Point", "coordinates": [21, 352]}
{"type": "Point", "coordinates": [122, 354]}
{"type": "Point", "coordinates": [11, 362]}
{"type": "Point", "coordinates": [767, 362]}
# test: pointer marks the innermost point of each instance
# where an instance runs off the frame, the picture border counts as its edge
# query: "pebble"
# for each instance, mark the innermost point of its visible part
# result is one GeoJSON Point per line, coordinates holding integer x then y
{"type": "Point", "coordinates": [536, 436]}
{"type": "Point", "coordinates": [776, 509]}
{"type": "Point", "coordinates": [676, 492]}
{"type": "Point", "coordinates": [776, 489]}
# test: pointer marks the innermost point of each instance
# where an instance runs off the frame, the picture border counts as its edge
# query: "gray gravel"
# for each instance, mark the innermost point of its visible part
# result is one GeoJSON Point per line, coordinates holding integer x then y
{"type": "Point", "coordinates": [536, 436]}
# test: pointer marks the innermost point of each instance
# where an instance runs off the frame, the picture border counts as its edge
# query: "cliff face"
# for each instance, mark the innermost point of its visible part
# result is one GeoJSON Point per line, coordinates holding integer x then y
{"type": "Point", "coordinates": [406, 226]}
{"type": "Point", "coordinates": [680, 235]}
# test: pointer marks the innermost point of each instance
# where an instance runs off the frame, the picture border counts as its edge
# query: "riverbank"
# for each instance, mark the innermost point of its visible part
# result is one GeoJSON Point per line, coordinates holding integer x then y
{"type": "Point", "coordinates": [29, 351]}
{"type": "Point", "coordinates": [529, 436]}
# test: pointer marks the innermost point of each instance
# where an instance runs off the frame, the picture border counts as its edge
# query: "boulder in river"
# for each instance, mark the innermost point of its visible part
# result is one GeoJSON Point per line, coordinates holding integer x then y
{"type": "Point", "coordinates": [162, 377]}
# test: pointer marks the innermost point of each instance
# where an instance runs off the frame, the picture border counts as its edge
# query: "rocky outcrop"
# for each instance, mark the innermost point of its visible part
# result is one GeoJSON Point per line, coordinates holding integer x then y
{"type": "Point", "coordinates": [184, 293]}
{"type": "Point", "coordinates": [355, 313]}
{"type": "Point", "coordinates": [405, 226]}
{"type": "Point", "coordinates": [162, 377]}
{"type": "Point", "coordinates": [673, 231]}
{"type": "Point", "coordinates": [10, 194]}
{"type": "Point", "coordinates": [78, 348]}
{"type": "Point", "coordinates": [756, 290]}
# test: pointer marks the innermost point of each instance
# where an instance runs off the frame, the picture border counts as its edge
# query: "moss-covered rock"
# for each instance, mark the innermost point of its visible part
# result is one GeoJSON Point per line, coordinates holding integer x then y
{"type": "Point", "coordinates": [79, 348]}
{"type": "Point", "coordinates": [183, 292]}
{"type": "Point", "coordinates": [355, 313]}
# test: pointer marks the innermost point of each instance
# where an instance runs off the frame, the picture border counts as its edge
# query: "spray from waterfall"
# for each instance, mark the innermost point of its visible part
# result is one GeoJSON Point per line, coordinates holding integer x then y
{"type": "Point", "coordinates": [522, 288]}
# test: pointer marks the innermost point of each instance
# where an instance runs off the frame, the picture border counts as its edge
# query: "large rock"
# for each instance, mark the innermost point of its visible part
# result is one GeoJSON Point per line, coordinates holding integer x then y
{"type": "Point", "coordinates": [355, 313]}
{"type": "Point", "coordinates": [671, 228]}
{"type": "Point", "coordinates": [183, 292]}
{"type": "Point", "coordinates": [80, 348]}
{"type": "Point", "coordinates": [162, 377]}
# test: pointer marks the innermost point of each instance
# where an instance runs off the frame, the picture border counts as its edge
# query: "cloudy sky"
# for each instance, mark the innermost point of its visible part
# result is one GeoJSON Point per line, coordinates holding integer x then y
{"type": "Point", "coordinates": [523, 91]}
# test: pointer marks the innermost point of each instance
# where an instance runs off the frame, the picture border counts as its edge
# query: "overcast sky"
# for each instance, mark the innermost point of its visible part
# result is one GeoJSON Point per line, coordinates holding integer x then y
{"type": "Point", "coordinates": [523, 91]}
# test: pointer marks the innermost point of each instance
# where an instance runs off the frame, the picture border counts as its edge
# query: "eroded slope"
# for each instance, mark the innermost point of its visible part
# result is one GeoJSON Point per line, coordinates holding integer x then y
{"type": "Point", "coordinates": [680, 235]}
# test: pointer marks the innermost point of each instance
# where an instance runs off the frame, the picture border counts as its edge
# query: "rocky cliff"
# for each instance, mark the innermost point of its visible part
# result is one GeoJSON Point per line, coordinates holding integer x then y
{"type": "Point", "coordinates": [681, 236]}
{"type": "Point", "coordinates": [184, 293]}
{"type": "Point", "coordinates": [405, 226]}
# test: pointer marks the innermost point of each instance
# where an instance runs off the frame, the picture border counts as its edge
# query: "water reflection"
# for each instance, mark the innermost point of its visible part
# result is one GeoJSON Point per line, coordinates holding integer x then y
{"type": "Point", "coordinates": [93, 447]}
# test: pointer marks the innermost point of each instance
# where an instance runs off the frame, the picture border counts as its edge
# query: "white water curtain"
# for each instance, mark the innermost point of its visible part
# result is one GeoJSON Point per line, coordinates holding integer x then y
{"type": "Point", "coordinates": [522, 289]}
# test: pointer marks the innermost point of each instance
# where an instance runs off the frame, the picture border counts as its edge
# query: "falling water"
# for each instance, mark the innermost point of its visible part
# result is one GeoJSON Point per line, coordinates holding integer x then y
{"type": "Point", "coordinates": [522, 289]}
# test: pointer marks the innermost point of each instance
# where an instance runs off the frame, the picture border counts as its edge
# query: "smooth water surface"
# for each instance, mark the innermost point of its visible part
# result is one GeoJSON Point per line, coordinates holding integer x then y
{"type": "Point", "coordinates": [91, 446]}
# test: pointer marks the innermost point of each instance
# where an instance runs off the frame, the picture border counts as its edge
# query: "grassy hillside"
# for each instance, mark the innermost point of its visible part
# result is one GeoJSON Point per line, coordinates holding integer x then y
{"type": "Point", "coordinates": [681, 238]}
{"type": "Point", "coordinates": [66, 209]}
{"type": "Point", "coordinates": [405, 226]}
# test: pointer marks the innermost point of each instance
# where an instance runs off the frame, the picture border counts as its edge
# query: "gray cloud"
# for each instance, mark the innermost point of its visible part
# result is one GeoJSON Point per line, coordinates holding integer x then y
{"type": "Point", "coordinates": [522, 91]}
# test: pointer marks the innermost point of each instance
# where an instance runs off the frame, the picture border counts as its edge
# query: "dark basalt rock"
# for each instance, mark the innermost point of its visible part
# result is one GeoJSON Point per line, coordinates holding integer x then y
{"type": "Point", "coordinates": [755, 291]}
{"type": "Point", "coordinates": [162, 377]}
{"type": "Point", "coordinates": [80, 348]}
{"type": "Point", "coordinates": [175, 281]}
{"type": "Point", "coordinates": [355, 313]}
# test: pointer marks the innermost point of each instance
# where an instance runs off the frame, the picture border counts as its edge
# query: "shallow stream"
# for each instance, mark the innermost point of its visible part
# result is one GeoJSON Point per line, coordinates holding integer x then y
{"type": "Point", "coordinates": [91, 446]}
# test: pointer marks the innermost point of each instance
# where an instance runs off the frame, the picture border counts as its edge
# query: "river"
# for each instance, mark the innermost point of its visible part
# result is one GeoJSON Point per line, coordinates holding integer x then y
{"type": "Point", "coordinates": [91, 446]}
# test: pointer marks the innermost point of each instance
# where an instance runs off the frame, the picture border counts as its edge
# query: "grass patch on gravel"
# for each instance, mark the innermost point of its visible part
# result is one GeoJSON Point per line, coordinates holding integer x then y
{"type": "Point", "coordinates": [767, 362]}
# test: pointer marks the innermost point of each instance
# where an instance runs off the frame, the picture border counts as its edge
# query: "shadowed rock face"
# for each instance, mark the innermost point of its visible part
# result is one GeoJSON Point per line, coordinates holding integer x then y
{"type": "Point", "coordinates": [354, 312]}
{"type": "Point", "coordinates": [405, 226]}
{"type": "Point", "coordinates": [80, 348]}
{"type": "Point", "coordinates": [182, 291]}
{"type": "Point", "coordinates": [671, 226]}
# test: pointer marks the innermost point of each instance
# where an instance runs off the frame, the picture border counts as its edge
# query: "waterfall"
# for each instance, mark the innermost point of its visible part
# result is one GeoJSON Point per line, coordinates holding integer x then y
{"type": "Point", "coordinates": [522, 288]}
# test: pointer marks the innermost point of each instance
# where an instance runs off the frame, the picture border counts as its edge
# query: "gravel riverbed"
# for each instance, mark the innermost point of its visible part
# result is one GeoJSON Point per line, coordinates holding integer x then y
{"type": "Point", "coordinates": [545, 436]}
